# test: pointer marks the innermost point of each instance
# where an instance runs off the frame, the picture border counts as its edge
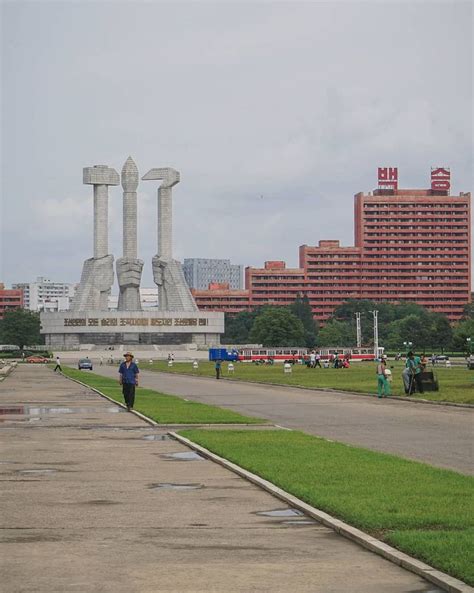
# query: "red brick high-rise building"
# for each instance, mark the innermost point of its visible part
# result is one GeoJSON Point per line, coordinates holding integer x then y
{"type": "Point", "coordinates": [415, 246]}
{"type": "Point", "coordinates": [410, 245]}
{"type": "Point", "coordinates": [9, 299]}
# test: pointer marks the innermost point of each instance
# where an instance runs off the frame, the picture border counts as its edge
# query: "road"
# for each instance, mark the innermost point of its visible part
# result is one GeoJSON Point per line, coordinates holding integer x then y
{"type": "Point", "coordinates": [439, 435]}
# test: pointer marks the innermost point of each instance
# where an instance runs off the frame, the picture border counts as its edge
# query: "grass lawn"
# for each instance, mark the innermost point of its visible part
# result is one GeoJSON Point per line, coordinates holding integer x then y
{"type": "Point", "coordinates": [456, 383]}
{"type": "Point", "coordinates": [163, 408]}
{"type": "Point", "coordinates": [424, 511]}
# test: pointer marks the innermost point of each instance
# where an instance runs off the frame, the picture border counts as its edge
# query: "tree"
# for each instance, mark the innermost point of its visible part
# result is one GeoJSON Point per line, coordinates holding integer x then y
{"type": "Point", "coordinates": [237, 327]}
{"type": "Point", "coordinates": [337, 334]}
{"type": "Point", "coordinates": [20, 327]}
{"type": "Point", "coordinates": [302, 309]}
{"type": "Point", "coordinates": [277, 327]}
{"type": "Point", "coordinates": [462, 331]}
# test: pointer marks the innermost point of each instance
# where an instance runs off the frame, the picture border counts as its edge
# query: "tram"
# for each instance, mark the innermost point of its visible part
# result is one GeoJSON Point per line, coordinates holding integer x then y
{"type": "Point", "coordinates": [295, 354]}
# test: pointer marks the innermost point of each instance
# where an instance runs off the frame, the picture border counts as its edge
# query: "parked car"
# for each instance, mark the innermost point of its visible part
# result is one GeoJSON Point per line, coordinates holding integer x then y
{"type": "Point", "coordinates": [37, 359]}
{"type": "Point", "coordinates": [85, 363]}
{"type": "Point", "coordinates": [441, 358]}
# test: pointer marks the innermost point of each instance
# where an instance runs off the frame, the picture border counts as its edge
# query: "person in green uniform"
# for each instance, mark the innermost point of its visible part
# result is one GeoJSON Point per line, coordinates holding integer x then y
{"type": "Point", "coordinates": [414, 366]}
{"type": "Point", "coordinates": [383, 386]}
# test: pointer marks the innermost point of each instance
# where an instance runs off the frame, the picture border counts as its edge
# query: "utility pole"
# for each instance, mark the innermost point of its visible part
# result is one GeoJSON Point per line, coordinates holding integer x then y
{"type": "Point", "coordinates": [359, 333]}
{"type": "Point", "coordinates": [376, 333]}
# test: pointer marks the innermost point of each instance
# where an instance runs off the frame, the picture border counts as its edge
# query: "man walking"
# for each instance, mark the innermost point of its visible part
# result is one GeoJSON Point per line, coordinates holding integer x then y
{"type": "Point", "coordinates": [218, 369]}
{"type": "Point", "coordinates": [58, 365]}
{"type": "Point", "coordinates": [128, 371]}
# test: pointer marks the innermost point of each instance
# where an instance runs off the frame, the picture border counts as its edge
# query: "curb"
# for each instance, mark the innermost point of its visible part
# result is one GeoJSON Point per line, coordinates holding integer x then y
{"type": "Point", "coordinates": [441, 579]}
{"type": "Point", "coordinates": [398, 398]}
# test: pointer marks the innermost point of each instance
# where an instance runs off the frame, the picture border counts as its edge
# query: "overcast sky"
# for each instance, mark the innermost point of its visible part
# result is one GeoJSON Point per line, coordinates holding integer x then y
{"type": "Point", "coordinates": [275, 113]}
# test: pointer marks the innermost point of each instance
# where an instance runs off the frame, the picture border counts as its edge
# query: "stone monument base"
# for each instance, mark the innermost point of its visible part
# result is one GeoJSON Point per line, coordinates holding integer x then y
{"type": "Point", "coordinates": [71, 329]}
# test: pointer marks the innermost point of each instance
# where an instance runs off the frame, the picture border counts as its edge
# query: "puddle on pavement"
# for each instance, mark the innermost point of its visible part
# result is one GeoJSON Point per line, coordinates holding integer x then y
{"type": "Point", "coordinates": [41, 411]}
{"type": "Point", "coordinates": [169, 486]}
{"type": "Point", "coordinates": [186, 456]}
{"type": "Point", "coordinates": [157, 437]}
{"type": "Point", "coordinates": [281, 513]}
{"type": "Point", "coordinates": [37, 472]}
{"type": "Point", "coordinates": [16, 410]}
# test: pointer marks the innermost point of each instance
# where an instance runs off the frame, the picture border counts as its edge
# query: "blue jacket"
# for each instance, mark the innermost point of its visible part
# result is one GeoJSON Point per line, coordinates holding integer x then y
{"type": "Point", "coordinates": [129, 375]}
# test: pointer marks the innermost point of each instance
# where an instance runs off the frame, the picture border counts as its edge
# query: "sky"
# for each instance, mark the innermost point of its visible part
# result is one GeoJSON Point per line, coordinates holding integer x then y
{"type": "Point", "coordinates": [275, 114]}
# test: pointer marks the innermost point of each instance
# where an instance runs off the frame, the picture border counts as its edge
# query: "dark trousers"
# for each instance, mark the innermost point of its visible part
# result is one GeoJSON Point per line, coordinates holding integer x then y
{"type": "Point", "coordinates": [416, 380]}
{"type": "Point", "coordinates": [128, 390]}
{"type": "Point", "coordinates": [58, 366]}
{"type": "Point", "coordinates": [218, 373]}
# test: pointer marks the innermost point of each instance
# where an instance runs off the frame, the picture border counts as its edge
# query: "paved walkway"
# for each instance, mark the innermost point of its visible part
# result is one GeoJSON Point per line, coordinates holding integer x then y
{"type": "Point", "coordinates": [438, 435]}
{"type": "Point", "coordinates": [87, 506]}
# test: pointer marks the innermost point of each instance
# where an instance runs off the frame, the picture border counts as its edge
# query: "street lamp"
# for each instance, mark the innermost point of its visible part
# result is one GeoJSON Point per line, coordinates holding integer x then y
{"type": "Point", "coordinates": [358, 329]}
{"type": "Point", "coordinates": [408, 346]}
{"type": "Point", "coordinates": [376, 334]}
{"type": "Point", "coordinates": [468, 340]}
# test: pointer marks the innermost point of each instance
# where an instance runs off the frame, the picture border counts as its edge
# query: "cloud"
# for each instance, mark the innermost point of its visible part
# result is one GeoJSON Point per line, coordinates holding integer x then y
{"type": "Point", "coordinates": [298, 103]}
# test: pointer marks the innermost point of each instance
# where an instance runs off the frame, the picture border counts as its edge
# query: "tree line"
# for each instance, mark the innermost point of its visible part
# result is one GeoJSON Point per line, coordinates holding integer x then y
{"type": "Point", "coordinates": [398, 323]}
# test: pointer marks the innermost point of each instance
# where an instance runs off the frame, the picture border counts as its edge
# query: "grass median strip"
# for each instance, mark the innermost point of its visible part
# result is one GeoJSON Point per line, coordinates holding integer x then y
{"type": "Point", "coordinates": [161, 407]}
{"type": "Point", "coordinates": [423, 511]}
{"type": "Point", "coordinates": [456, 383]}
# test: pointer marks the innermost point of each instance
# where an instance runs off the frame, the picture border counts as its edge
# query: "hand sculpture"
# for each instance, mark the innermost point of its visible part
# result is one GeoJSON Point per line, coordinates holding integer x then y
{"type": "Point", "coordinates": [129, 273]}
{"type": "Point", "coordinates": [96, 282]}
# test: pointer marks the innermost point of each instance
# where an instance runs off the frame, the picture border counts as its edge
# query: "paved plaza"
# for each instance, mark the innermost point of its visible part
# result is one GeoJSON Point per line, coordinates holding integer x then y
{"type": "Point", "coordinates": [94, 499]}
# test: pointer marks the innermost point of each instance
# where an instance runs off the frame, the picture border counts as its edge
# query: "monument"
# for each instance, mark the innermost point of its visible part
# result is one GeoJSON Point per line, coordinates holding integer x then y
{"type": "Point", "coordinates": [173, 291]}
{"type": "Point", "coordinates": [98, 271]}
{"type": "Point", "coordinates": [176, 319]}
{"type": "Point", "coordinates": [129, 267]}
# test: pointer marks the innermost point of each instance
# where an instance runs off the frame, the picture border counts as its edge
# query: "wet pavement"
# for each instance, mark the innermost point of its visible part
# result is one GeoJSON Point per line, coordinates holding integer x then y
{"type": "Point", "coordinates": [97, 500]}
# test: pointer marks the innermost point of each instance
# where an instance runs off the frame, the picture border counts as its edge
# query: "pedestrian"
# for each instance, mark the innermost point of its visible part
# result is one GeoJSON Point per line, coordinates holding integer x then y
{"type": "Point", "coordinates": [414, 366]}
{"type": "Point", "coordinates": [433, 360]}
{"type": "Point", "coordinates": [58, 365]}
{"type": "Point", "coordinates": [101, 360]}
{"type": "Point", "coordinates": [312, 359]}
{"type": "Point", "coordinates": [318, 360]}
{"type": "Point", "coordinates": [128, 372]}
{"type": "Point", "coordinates": [218, 369]}
{"type": "Point", "coordinates": [383, 386]}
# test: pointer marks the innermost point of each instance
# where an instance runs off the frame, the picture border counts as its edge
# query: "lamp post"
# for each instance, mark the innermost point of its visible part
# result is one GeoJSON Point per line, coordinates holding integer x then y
{"type": "Point", "coordinates": [376, 333]}
{"type": "Point", "coordinates": [408, 346]}
{"type": "Point", "coordinates": [358, 328]}
{"type": "Point", "coordinates": [468, 340]}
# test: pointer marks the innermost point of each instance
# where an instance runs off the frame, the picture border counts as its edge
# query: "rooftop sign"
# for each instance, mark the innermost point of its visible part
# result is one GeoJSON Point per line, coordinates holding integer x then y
{"type": "Point", "coordinates": [388, 177]}
{"type": "Point", "coordinates": [440, 179]}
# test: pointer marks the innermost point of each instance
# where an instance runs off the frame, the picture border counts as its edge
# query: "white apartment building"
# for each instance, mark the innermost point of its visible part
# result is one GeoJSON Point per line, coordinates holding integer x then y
{"type": "Point", "coordinates": [46, 295]}
{"type": "Point", "coordinates": [148, 298]}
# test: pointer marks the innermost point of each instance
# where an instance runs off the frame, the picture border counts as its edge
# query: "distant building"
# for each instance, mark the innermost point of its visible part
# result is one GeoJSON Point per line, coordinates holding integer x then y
{"type": "Point", "coordinates": [199, 273]}
{"type": "Point", "coordinates": [411, 245]}
{"type": "Point", "coordinates": [148, 298]}
{"type": "Point", "coordinates": [220, 297]}
{"type": "Point", "coordinates": [10, 299]}
{"type": "Point", "coordinates": [46, 295]}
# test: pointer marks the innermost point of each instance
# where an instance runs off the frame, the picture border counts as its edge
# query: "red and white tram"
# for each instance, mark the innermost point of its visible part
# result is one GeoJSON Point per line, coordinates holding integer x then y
{"type": "Point", "coordinates": [282, 354]}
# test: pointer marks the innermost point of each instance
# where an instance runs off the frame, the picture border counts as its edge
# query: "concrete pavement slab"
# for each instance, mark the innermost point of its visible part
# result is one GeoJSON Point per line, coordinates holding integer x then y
{"type": "Point", "coordinates": [89, 503]}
